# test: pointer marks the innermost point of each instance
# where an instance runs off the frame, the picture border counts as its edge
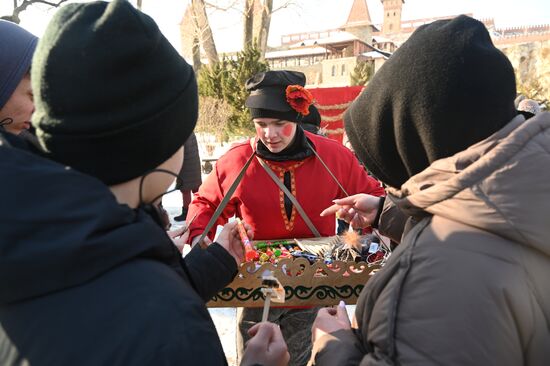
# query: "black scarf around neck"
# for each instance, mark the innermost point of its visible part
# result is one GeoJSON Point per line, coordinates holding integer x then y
{"type": "Point", "coordinates": [298, 149]}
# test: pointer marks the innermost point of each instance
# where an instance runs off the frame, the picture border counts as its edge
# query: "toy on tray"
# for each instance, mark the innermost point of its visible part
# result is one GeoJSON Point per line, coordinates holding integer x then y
{"type": "Point", "coordinates": [249, 252]}
{"type": "Point", "coordinates": [272, 290]}
{"type": "Point", "coordinates": [350, 247]}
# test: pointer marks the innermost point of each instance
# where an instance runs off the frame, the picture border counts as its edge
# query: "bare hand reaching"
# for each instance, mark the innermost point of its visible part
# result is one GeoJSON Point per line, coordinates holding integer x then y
{"type": "Point", "coordinates": [330, 320]}
{"type": "Point", "coordinates": [179, 236]}
{"type": "Point", "coordinates": [229, 239]}
{"type": "Point", "coordinates": [266, 347]}
{"type": "Point", "coordinates": [359, 210]}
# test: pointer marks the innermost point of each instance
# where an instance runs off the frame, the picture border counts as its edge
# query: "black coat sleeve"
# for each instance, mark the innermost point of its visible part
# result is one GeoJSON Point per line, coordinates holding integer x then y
{"type": "Point", "coordinates": [210, 269]}
{"type": "Point", "coordinates": [195, 343]}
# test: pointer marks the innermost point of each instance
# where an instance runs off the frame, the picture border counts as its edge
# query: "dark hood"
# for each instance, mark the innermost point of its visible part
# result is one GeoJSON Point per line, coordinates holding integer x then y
{"type": "Point", "coordinates": [497, 185]}
{"type": "Point", "coordinates": [446, 88]}
{"type": "Point", "coordinates": [61, 228]}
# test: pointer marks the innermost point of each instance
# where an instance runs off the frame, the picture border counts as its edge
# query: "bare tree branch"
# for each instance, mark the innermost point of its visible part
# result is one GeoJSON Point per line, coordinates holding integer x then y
{"type": "Point", "coordinates": [205, 32]}
{"type": "Point", "coordinates": [263, 11]}
{"type": "Point", "coordinates": [248, 22]}
{"type": "Point", "coordinates": [18, 9]}
{"type": "Point", "coordinates": [287, 4]}
{"type": "Point", "coordinates": [50, 3]}
{"type": "Point", "coordinates": [234, 5]}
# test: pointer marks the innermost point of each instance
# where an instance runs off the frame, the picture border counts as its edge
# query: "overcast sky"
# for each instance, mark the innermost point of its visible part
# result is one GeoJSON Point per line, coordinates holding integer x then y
{"type": "Point", "coordinates": [311, 15]}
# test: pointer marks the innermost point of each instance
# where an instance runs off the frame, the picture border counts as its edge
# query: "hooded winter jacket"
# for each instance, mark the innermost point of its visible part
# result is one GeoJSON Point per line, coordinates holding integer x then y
{"type": "Point", "coordinates": [469, 283]}
{"type": "Point", "coordinates": [87, 281]}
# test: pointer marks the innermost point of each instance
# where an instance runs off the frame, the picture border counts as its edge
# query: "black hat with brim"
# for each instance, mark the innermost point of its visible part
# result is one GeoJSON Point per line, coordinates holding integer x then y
{"type": "Point", "coordinates": [267, 97]}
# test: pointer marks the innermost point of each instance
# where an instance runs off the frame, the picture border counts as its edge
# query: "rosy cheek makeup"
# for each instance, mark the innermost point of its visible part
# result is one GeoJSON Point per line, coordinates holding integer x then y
{"type": "Point", "coordinates": [287, 130]}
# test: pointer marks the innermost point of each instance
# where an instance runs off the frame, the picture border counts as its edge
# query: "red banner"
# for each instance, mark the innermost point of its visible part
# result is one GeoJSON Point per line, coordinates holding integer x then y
{"type": "Point", "coordinates": [332, 103]}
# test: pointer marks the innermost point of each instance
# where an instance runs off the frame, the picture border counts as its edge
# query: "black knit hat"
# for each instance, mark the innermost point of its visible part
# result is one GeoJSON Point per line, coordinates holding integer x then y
{"type": "Point", "coordinates": [113, 98]}
{"type": "Point", "coordinates": [267, 97]}
{"type": "Point", "coordinates": [446, 88]}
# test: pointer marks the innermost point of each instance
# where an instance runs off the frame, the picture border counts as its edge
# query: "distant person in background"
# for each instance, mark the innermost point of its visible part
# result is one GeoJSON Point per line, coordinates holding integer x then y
{"type": "Point", "coordinates": [518, 99]}
{"type": "Point", "coordinates": [528, 108]}
{"type": "Point", "coordinates": [345, 141]}
{"type": "Point", "coordinates": [16, 99]}
{"type": "Point", "coordinates": [190, 175]}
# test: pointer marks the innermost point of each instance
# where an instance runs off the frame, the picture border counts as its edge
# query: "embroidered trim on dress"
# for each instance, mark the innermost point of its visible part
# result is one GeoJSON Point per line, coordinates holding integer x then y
{"type": "Point", "coordinates": [289, 224]}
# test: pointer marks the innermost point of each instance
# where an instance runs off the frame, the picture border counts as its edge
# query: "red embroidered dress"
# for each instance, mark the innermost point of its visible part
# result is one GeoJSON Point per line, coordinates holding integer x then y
{"type": "Point", "coordinates": [260, 202]}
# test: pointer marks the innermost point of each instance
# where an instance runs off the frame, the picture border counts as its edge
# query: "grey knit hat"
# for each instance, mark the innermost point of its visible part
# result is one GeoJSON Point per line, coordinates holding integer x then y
{"type": "Point", "coordinates": [529, 105]}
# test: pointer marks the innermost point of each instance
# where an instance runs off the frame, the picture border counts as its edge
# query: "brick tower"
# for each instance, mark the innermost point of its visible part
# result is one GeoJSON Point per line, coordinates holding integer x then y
{"type": "Point", "coordinates": [392, 16]}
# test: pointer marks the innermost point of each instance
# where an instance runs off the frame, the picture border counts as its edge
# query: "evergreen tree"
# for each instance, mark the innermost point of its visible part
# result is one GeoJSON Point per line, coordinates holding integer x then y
{"type": "Point", "coordinates": [533, 89]}
{"type": "Point", "coordinates": [226, 81]}
{"type": "Point", "coordinates": [362, 73]}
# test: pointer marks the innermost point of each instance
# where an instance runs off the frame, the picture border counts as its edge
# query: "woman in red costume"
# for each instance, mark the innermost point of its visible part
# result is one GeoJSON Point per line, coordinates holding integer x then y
{"type": "Point", "coordinates": [277, 102]}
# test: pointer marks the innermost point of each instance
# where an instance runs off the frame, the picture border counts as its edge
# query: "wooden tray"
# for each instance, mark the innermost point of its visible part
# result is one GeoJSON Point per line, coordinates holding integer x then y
{"type": "Point", "coordinates": [305, 284]}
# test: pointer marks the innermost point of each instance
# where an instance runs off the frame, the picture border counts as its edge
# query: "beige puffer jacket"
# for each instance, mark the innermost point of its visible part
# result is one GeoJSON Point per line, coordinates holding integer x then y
{"type": "Point", "coordinates": [470, 282]}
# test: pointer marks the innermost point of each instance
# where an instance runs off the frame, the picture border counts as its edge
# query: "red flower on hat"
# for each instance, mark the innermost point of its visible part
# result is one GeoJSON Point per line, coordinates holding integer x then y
{"type": "Point", "coordinates": [299, 98]}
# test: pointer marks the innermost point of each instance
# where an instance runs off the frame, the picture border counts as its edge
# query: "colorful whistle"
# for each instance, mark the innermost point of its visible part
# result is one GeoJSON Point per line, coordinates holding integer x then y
{"type": "Point", "coordinates": [250, 253]}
